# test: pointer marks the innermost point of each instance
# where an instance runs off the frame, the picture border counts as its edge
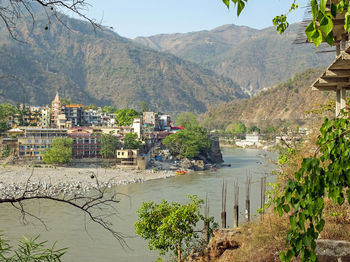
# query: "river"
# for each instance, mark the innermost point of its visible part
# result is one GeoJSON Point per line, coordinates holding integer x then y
{"type": "Point", "coordinates": [93, 244]}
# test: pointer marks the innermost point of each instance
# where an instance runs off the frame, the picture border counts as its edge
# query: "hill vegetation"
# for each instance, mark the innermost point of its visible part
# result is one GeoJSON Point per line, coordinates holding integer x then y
{"type": "Point", "coordinates": [102, 68]}
{"type": "Point", "coordinates": [287, 103]}
{"type": "Point", "coordinates": [255, 59]}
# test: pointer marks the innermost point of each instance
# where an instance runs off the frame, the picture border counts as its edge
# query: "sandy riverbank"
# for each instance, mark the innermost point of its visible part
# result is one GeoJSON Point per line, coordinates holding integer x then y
{"type": "Point", "coordinates": [58, 180]}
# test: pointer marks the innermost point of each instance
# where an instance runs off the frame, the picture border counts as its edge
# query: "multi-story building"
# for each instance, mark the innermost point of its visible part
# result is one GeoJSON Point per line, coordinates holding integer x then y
{"type": "Point", "coordinates": [91, 117]}
{"type": "Point", "coordinates": [35, 141]}
{"type": "Point", "coordinates": [74, 113]}
{"type": "Point", "coordinates": [56, 110]}
{"type": "Point", "coordinates": [85, 145]}
{"type": "Point", "coordinates": [151, 119]}
{"type": "Point", "coordinates": [45, 117]}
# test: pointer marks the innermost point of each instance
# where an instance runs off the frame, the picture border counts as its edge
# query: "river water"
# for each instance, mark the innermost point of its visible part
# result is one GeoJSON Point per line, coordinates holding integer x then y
{"type": "Point", "coordinates": [90, 243]}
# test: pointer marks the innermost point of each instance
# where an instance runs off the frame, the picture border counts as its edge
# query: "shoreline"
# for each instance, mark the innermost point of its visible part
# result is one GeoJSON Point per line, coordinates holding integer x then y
{"type": "Point", "coordinates": [66, 180]}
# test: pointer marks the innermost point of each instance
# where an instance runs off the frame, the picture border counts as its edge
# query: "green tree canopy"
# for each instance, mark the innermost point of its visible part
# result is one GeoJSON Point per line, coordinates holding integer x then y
{"type": "Point", "coordinates": [126, 116]}
{"type": "Point", "coordinates": [189, 143]}
{"type": "Point", "coordinates": [131, 141]}
{"type": "Point", "coordinates": [7, 110]}
{"type": "Point", "coordinates": [110, 109]}
{"type": "Point", "coordinates": [65, 101]}
{"type": "Point", "coordinates": [169, 226]}
{"type": "Point", "coordinates": [186, 119]}
{"type": "Point", "coordinates": [236, 128]}
{"type": "Point", "coordinates": [60, 151]}
{"type": "Point", "coordinates": [109, 143]}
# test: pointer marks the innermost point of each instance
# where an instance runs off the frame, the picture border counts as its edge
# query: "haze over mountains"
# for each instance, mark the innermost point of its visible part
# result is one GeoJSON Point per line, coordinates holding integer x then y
{"type": "Point", "coordinates": [255, 59]}
{"type": "Point", "coordinates": [104, 69]}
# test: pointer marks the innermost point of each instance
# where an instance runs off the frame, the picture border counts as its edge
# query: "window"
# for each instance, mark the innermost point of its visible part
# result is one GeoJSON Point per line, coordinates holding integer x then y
{"type": "Point", "coordinates": [29, 141]}
{"type": "Point", "coordinates": [118, 153]}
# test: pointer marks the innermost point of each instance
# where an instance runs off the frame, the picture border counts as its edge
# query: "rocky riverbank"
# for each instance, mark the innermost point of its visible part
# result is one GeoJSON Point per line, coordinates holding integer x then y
{"type": "Point", "coordinates": [65, 180]}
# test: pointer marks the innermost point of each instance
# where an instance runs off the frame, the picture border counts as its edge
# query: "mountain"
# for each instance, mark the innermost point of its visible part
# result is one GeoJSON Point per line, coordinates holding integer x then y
{"type": "Point", "coordinates": [255, 59]}
{"type": "Point", "coordinates": [102, 68]}
{"type": "Point", "coordinates": [289, 102]}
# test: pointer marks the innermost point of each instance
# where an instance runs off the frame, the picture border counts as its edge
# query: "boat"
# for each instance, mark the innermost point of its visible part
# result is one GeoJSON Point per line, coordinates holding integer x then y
{"type": "Point", "coordinates": [180, 172]}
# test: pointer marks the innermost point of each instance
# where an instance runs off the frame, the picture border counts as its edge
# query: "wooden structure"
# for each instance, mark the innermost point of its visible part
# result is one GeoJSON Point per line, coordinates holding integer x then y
{"type": "Point", "coordinates": [336, 78]}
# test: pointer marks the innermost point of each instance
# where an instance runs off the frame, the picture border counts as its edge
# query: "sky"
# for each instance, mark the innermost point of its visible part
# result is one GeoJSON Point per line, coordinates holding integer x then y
{"type": "Point", "coordinates": [144, 18]}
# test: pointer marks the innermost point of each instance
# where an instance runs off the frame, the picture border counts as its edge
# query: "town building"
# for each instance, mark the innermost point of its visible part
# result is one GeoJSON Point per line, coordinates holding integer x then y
{"type": "Point", "coordinates": [45, 117]}
{"type": "Point", "coordinates": [56, 110]}
{"type": "Point", "coordinates": [131, 157]}
{"type": "Point", "coordinates": [36, 140]}
{"type": "Point", "coordinates": [85, 144]}
{"type": "Point", "coordinates": [150, 119]}
{"type": "Point", "coordinates": [91, 117]}
{"type": "Point", "coordinates": [74, 114]}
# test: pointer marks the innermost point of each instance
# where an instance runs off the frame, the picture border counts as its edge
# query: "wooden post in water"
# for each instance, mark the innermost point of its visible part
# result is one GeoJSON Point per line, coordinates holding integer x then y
{"type": "Point", "coordinates": [206, 222]}
{"type": "Point", "coordinates": [247, 200]}
{"type": "Point", "coordinates": [235, 207]}
{"type": "Point", "coordinates": [223, 204]}
{"type": "Point", "coordinates": [262, 197]}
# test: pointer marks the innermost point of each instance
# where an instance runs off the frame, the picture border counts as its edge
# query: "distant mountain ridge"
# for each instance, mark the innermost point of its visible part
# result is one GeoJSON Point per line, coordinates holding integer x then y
{"type": "Point", "coordinates": [103, 68]}
{"type": "Point", "coordinates": [255, 59]}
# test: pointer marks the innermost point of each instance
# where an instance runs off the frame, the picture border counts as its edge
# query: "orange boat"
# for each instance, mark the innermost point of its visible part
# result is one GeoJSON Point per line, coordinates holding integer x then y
{"type": "Point", "coordinates": [180, 172]}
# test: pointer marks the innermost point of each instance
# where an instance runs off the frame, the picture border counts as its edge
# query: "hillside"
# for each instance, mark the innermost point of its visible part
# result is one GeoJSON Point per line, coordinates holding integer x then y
{"type": "Point", "coordinates": [104, 69]}
{"type": "Point", "coordinates": [287, 103]}
{"type": "Point", "coordinates": [255, 59]}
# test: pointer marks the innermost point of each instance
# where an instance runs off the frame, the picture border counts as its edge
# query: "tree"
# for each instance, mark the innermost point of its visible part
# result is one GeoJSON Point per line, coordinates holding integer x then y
{"type": "Point", "coordinates": [65, 101]}
{"type": "Point", "coordinates": [254, 129]}
{"type": "Point", "coordinates": [236, 128]}
{"type": "Point", "coordinates": [110, 109]}
{"type": "Point", "coordinates": [131, 141]}
{"type": "Point", "coordinates": [126, 116]}
{"type": "Point", "coordinates": [186, 119]}
{"type": "Point", "coordinates": [189, 143]}
{"type": "Point", "coordinates": [60, 151]}
{"type": "Point", "coordinates": [170, 226]}
{"type": "Point", "coordinates": [30, 250]}
{"type": "Point", "coordinates": [13, 10]}
{"type": "Point", "coordinates": [109, 143]}
{"type": "Point", "coordinates": [320, 29]}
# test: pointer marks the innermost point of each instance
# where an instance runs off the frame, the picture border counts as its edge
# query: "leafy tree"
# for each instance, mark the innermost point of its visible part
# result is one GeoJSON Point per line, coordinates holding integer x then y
{"type": "Point", "coordinates": [270, 130]}
{"type": "Point", "coordinates": [60, 151]}
{"type": "Point", "coordinates": [5, 151]}
{"type": "Point", "coordinates": [143, 106]}
{"type": "Point", "coordinates": [7, 110]}
{"type": "Point", "coordinates": [236, 128]}
{"type": "Point", "coordinates": [126, 116]}
{"type": "Point", "coordinates": [131, 141]}
{"type": "Point", "coordinates": [325, 174]}
{"type": "Point", "coordinates": [253, 129]}
{"type": "Point", "coordinates": [3, 126]}
{"type": "Point", "coordinates": [186, 119]}
{"type": "Point", "coordinates": [189, 143]}
{"type": "Point", "coordinates": [110, 109]}
{"type": "Point", "coordinates": [109, 143]}
{"type": "Point", "coordinates": [170, 226]}
{"type": "Point", "coordinates": [91, 106]}
{"type": "Point", "coordinates": [29, 250]}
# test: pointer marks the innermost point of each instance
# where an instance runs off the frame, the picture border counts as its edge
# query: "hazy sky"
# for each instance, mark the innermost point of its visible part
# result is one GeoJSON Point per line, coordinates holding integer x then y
{"type": "Point", "coordinates": [144, 18]}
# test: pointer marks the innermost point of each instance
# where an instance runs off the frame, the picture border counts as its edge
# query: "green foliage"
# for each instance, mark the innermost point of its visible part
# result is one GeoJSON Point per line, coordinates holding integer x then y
{"type": "Point", "coordinates": [186, 119]}
{"type": "Point", "coordinates": [5, 151]}
{"type": "Point", "coordinates": [110, 109]}
{"type": "Point", "coordinates": [60, 151]}
{"type": "Point", "coordinates": [7, 110]}
{"type": "Point", "coordinates": [126, 116]}
{"type": "Point", "coordinates": [270, 130]}
{"type": "Point", "coordinates": [170, 226]}
{"type": "Point", "coordinates": [109, 143]}
{"type": "Point", "coordinates": [29, 250]}
{"type": "Point", "coordinates": [236, 128]}
{"type": "Point", "coordinates": [3, 126]}
{"type": "Point", "coordinates": [189, 143]}
{"type": "Point", "coordinates": [91, 106]}
{"type": "Point", "coordinates": [253, 129]}
{"type": "Point", "coordinates": [318, 177]}
{"type": "Point", "coordinates": [131, 141]}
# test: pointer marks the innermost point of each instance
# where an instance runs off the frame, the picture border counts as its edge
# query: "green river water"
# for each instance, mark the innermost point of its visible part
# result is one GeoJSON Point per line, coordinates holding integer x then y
{"type": "Point", "coordinates": [66, 224]}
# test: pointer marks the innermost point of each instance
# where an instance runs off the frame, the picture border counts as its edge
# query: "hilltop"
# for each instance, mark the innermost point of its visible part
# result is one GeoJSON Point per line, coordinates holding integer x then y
{"type": "Point", "coordinates": [255, 59]}
{"type": "Point", "coordinates": [102, 68]}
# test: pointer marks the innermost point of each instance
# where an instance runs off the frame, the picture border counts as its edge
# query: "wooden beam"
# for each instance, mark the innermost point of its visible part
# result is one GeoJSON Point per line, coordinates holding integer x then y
{"type": "Point", "coordinates": [328, 88]}
{"type": "Point", "coordinates": [336, 73]}
{"type": "Point", "coordinates": [341, 64]}
{"type": "Point", "coordinates": [331, 80]}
